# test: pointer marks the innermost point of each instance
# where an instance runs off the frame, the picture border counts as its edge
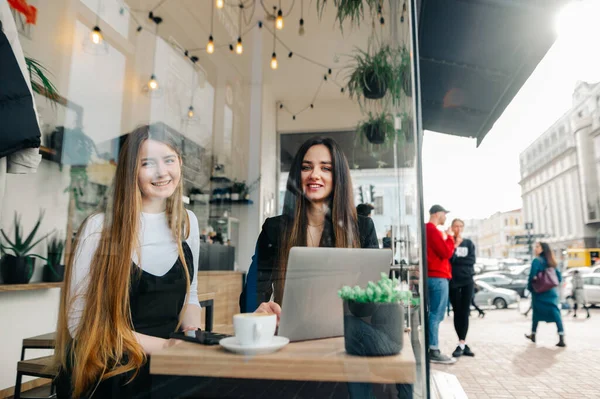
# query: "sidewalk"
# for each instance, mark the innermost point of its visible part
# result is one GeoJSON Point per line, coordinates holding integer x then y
{"type": "Point", "coordinates": [506, 365]}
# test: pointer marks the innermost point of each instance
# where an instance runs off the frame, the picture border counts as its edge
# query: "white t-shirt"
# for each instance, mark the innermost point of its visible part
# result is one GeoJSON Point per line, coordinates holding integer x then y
{"type": "Point", "coordinates": [158, 251]}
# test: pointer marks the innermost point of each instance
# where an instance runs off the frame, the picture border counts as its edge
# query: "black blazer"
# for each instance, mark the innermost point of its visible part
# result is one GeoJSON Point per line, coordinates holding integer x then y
{"type": "Point", "coordinates": [267, 254]}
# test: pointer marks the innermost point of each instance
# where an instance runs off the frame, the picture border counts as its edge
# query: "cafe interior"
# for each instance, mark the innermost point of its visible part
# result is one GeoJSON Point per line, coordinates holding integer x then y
{"type": "Point", "coordinates": [242, 85]}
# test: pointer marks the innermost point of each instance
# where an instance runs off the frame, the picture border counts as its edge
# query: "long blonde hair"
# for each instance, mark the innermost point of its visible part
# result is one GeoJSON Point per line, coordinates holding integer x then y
{"type": "Point", "coordinates": [97, 350]}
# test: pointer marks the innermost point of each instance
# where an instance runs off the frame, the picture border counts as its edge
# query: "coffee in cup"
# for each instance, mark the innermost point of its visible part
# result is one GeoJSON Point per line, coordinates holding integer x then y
{"type": "Point", "coordinates": [254, 329]}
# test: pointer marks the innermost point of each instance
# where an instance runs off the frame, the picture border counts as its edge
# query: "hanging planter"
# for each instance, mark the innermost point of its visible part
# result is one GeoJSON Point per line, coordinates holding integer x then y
{"type": "Point", "coordinates": [383, 74]}
{"type": "Point", "coordinates": [352, 10]}
{"type": "Point", "coordinates": [378, 129]}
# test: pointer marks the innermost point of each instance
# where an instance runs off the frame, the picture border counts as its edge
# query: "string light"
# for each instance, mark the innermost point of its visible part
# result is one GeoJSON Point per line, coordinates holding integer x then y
{"type": "Point", "coordinates": [96, 35]}
{"type": "Point", "coordinates": [238, 47]}
{"type": "Point", "coordinates": [139, 29]}
{"type": "Point", "coordinates": [301, 29]}
{"type": "Point", "coordinates": [210, 47]}
{"type": "Point", "coordinates": [274, 61]}
{"type": "Point", "coordinates": [290, 54]}
{"type": "Point", "coordinates": [220, 4]}
{"type": "Point", "coordinates": [190, 113]}
{"type": "Point", "coordinates": [279, 20]}
{"type": "Point", "coordinates": [153, 83]}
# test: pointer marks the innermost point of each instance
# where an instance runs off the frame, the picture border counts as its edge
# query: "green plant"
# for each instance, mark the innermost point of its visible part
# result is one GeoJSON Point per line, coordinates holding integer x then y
{"type": "Point", "coordinates": [40, 83]}
{"type": "Point", "coordinates": [385, 72]}
{"type": "Point", "coordinates": [56, 247]}
{"type": "Point", "coordinates": [354, 10]}
{"type": "Point", "coordinates": [239, 187]}
{"type": "Point", "coordinates": [384, 291]}
{"type": "Point", "coordinates": [21, 246]}
{"type": "Point", "coordinates": [378, 129]}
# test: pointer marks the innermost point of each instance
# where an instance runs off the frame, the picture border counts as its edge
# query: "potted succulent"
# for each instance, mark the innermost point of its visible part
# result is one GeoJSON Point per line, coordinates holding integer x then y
{"type": "Point", "coordinates": [378, 129]}
{"type": "Point", "coordinates": [17, 265]}
{"type": "Point", "coordinates": [238, 190]}
{"type": "Point", "coordinates": [385, 73]}
{"type": "Point", "coordinates": [374, 317]}
{"type": "Point", "coordinates": [54, 271]}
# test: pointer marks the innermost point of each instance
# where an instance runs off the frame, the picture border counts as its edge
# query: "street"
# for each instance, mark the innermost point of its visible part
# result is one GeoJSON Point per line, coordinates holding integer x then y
{"type": "Point", "coordinates": [506, 365]}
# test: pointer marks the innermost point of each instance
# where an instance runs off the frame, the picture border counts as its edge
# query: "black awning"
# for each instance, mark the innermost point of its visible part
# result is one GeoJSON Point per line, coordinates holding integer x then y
{"type": "Point", "coordinates": [474, 57]}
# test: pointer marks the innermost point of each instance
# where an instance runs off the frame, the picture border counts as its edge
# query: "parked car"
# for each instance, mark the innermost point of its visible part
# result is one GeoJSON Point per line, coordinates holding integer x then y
{"type": "Point", "coordinates": [508, 264]}
{"type": "Point", "coordinates": [502, 281]}
{"type": "Point", "coordinates": [591, 286]}
{"type": "Point", "coordinates": [517, 272]}
{"type": "Point", "coordinates": [487, 265]}
{"type": "Point", "coordinates": [489, 295]}
{"type": "Point", "coordinates": [595, 269]}
{"type": "Point", "coordinates": [583, 270]}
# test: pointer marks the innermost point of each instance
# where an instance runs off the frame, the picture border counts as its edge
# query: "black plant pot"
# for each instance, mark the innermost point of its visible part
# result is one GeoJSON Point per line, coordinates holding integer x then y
{"type": "Point", "coordinates": [53, 274]}
{"type": "Point", "coordinates": [373, 87]}
{"type": "Point", "coordinates": [375, 134]}
{"type": "Point", "coordinates": [373, 329]}
{"type": "Point", "coordinates": [406, 82]}
{"type": "Point", "coordinates": [16, 269]}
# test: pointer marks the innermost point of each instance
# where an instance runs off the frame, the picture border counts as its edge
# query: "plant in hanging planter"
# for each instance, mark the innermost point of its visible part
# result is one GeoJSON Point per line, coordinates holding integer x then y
{"type": "Point", "coordinates": [17, 266]}
{"type": "Point", "coordinates": [54, 271]}
{"type": "Point", "coordinates": [378, 129]}
{"type": "Point", "coordinates": [374, 317]}
{"type": "Point", "coordinates": [385, 73]}
{"type": "Point", "coordinates": [354, 10]}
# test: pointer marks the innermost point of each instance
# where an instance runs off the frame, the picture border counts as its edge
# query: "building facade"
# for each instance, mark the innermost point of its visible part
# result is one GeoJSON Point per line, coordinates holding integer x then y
{"type": "Point", "coordinates": [496, 235]}
{"type": "Point", "coordinates": [560, 175]}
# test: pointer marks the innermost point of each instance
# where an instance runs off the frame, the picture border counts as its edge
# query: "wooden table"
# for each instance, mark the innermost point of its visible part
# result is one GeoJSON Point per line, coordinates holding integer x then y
{"type": "Point", "coordinates": [318, 360]}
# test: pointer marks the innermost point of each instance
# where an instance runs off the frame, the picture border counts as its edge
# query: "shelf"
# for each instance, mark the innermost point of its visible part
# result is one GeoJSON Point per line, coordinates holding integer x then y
{"type": "Point", "coordinates": [220, 179]}
{"type": "Point", "coordinates": [228, 201]}
{"type": "Point", "coordinates": [29, 287]}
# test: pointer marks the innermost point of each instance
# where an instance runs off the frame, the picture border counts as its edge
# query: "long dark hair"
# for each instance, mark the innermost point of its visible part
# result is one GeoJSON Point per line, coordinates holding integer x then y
{"type": "Point", "coordinates": [341, 223]}
{"type": "Point", "coordinates": [547, 254]}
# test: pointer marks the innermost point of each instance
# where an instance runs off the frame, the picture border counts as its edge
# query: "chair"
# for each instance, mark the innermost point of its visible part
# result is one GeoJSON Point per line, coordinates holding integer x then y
{"type": "Point", "coordinates": [207, 302]}
{"type": "Point", "coordinates": [38, 367]}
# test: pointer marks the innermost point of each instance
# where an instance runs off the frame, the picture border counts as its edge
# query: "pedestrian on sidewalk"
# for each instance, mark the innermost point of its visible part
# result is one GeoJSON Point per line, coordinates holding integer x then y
{"type": "Point", "coordinates": [579, 294]}
{"type": "Point", "coordinates": [462, 286]}
{"type": "Point", "coordinates": [481, 312]}
{"type": "Point", "coordinates": [545, 304]}
{"type": "Point", "coordinates": [440, 248]}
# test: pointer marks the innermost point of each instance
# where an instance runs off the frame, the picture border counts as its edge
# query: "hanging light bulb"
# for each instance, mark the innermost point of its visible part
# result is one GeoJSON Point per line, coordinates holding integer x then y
{"type": "Point", "coordinates": [153, 83]}
{"type": "Point", "coordinates": [274, 61]}
{"type": "Point", "coordinates": [220, 4]}
{"type": "Point", "coordinates": [94, 43]}
{"type": "Point", "coordinates": [210, 47]}
{"type": "Point", "coordinates": [279, 20]}
{"type": "Point", "coordinates": [301, 30]}
{"type": "Point", "coordinates": [190, 113]}
{"type": "Point", "coordinates": [96, 35]}
{"type": "Point", "coordinates": [238, 47]}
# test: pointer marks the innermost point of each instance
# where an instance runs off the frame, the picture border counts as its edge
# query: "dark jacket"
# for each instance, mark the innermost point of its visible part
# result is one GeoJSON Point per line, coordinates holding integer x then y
{"type": "Point", "coordinates": [462, 263]}
{"type": "Point", "coordinates": [19, 129]}
{"type": "Point", "coordinates": [264, 262]}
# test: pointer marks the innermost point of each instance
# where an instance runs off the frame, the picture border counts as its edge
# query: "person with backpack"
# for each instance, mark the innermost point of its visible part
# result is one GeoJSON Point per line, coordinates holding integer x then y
{"type": "Point", "coordinates": [544, 278]}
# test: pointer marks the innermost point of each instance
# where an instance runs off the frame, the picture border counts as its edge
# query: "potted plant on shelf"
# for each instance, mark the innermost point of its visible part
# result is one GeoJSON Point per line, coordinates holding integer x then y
{"type": "Point", "coordinates": [54, 271]}
{"type": "Point", "coordinates": [238, 190]}
{"type": "Point", "coordinates": [17, 267]}
{"type": "Point", "coordinates": [384, 73]}
{"type": "Point", "coordinates": [374, 317]}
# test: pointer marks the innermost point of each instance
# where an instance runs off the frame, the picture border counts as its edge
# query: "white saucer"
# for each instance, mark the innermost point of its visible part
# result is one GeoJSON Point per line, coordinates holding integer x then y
{"type": "Point", "coordinates": [232, 344]}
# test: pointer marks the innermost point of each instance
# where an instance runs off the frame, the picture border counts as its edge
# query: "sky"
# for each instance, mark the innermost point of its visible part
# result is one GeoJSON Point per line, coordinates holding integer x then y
{"type": "Point", "coordinates": [475, 183]}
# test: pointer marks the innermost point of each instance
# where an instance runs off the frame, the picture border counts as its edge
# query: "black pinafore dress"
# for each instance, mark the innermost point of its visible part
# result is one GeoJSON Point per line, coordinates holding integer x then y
{"type": "Point", "coordinates": [155, 303]}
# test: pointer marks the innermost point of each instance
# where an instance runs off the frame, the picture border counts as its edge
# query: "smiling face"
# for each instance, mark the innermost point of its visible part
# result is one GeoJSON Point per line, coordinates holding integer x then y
{"type": "Point", "coordinates": [159, 171]}
{"type": "Point", "coordinates": [317, 174]}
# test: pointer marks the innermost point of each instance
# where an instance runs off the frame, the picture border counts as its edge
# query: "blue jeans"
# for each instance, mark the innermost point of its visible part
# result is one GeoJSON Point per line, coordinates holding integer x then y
{"type": "Point", "coordinates": [438, 301]}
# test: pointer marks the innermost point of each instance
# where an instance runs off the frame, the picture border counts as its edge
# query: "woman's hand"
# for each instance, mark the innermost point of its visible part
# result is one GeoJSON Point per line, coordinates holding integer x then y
{"type": "Point", "coordinates": [270, 308]}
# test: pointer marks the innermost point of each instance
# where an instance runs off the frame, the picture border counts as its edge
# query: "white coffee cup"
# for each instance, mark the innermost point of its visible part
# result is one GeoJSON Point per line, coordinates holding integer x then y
{"type": "Point", "coordinates": [254, 329]}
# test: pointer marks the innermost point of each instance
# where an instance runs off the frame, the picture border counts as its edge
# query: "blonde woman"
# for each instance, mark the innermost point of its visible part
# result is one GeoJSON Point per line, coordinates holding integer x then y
{"type": "Point", "coordinates": [131, 281]}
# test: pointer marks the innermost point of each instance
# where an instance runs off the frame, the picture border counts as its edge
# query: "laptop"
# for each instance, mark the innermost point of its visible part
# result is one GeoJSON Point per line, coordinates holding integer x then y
{"type": "Point", "coordinates": [311, 307]}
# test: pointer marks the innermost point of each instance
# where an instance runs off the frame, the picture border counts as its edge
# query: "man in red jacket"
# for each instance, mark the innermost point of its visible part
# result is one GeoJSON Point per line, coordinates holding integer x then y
{"type": "Point", "coordinates": [440, 248]}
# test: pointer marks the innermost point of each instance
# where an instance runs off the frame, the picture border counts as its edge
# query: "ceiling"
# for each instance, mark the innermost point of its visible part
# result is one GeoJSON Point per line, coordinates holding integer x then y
{"type": "Point", "coordinates": [474, 57]}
